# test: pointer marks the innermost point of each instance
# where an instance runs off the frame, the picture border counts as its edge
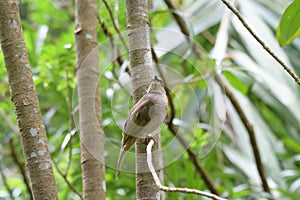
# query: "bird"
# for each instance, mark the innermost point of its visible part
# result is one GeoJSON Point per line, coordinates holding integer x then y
{"type": "Point", "coordinates": [144, 118]}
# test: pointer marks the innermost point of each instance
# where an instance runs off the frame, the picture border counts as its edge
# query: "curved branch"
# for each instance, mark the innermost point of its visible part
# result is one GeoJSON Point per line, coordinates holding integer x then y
{"type": "Point", "coordinates": [172, 189]}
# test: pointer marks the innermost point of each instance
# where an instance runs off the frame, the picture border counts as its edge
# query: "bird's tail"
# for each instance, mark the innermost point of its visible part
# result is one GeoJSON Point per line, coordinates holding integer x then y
{"type": "Point", "coordinates": [120, 161]}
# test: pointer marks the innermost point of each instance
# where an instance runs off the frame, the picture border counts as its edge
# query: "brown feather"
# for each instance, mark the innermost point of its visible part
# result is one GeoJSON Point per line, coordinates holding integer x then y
{"type": "Point", "coordinates": [153, 105]}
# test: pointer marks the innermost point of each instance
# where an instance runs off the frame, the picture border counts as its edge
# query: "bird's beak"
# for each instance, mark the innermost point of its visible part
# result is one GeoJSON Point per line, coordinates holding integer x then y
{"type": "Point", "coordinates": [156, 78]}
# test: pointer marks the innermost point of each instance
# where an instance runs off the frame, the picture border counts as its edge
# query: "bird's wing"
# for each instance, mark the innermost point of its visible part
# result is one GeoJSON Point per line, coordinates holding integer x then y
{"type": "Point", "coordinates": [139, 116]}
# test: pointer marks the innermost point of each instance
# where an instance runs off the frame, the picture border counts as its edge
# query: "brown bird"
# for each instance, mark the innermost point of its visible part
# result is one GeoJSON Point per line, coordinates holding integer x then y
{"type": "Point", "coordinates": [144, 118]}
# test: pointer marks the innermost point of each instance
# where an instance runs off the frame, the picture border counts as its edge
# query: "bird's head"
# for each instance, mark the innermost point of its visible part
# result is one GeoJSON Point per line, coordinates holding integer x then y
{"type": "Point", "coordinates": [156, 86]}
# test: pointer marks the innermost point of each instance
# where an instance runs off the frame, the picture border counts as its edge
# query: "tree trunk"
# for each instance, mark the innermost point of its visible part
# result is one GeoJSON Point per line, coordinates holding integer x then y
{"type": "Point", "coordinates": [24, 96]}
{"type": "Point", "coordinates": [90, 117]}
{"type": "Point", "coordinates": [142, 73]}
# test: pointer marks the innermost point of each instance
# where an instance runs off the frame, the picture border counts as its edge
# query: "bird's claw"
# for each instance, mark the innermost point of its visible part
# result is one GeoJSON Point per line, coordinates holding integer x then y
{"type": "Point", "coordinates": [149, 137]}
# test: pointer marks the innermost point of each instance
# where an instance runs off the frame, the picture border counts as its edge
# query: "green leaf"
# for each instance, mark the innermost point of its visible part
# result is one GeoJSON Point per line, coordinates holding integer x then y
{"type": "Point", "coordinates": [289, 26]}
{"type": "Point", "coordinates": [292, 144]}
{"type": "Point", "coordinates": [236, 82]}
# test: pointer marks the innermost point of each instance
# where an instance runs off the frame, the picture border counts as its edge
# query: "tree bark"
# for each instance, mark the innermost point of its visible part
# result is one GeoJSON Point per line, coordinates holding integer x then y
{"type": "Point", "coordinates": [90, 117]}
{"type": "Point", "coordinates": [24, 96]}
{"type": "Point", "coordinates": [142, 73]}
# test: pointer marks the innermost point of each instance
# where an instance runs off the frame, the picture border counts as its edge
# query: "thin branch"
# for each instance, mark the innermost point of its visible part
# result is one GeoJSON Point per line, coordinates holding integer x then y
{"type": "Point", "coordinates": [70, 155]}
{"type": "Point", "coordinates": [261, 42]}
{"type": "Point", "coordinates": [119, 59]}
{"type": "Point", "coordinates": [183, 27]}
{"type": "Point", "coordinates": [66, 180]}
{"type": "Point", "coordinates": [173, 189]}
{"type": "Point", "coordinates": [180, 21]}
{"type": "Point", "coordinates": [10, 191]}
{"type": "Point", "coordinates": [168, 91]}
{"type": "Point", "coordinates": [71, 121]}
{"type": "Point", "coordinates": [14, 154]}
{"type": "Point", "coordinates": [205, 177]}
{"type": "Point", "coordinates": [111, 40]}
{"type": "Point", "coordinates": [209, 37]}
{"type": "Point", "coordinates": [239, 109]}
{"type": "Point", "coordinates": [114, 23]}
{"type": "Point", "coordinates": [8, 121]}
{"type": "Point", "coordinates": [250, 132]}
{"type": "Point", "coordinates": [71, 127]}
{"type": "Point", "coordinates": [21, 166]}
{"type": "Point", "coordinates": [174, 130]}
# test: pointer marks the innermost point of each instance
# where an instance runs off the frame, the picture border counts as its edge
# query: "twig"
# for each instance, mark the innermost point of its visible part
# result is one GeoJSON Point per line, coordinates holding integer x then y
{"type": "Point", "coordinates": [209, 37]}
{"type": "Point", "coordinates": [218, 53]}
{"type": "Point", "coordinates": [119, 59]}
{"type": "Point", "coordinates": [71, 121]}
{"type": "Point", "coordinates": [71, 127]}
{"type": "Point", "coordinates": [6, 184]}
{"type": "Point", "coordinates": [174, 130]}
{"type": "Point", "coordinates": [183, 27]}
{"type": "Point", "coordinates": [114, 23]}
{"type": "Point", "coordinates": [66, 180]}
{"type": "Point", "coordinates": [168, 92]}
{"type": "Point", "coordinates": [261, 42]}
{"type": "Point", "coordinates": [239, 109]}
{"type": "Point", "coordinates": [9, 122]}
{"type": "Point", "coordinates": [193, 158]}
{"type": "Point", "coordinates": [173, 189]}
{"type": "Point", "coordinates": [180, 21]}
{"type": "Point", "coordinates": [14, 154]}
{"type": "Point", "coordinates": [111, 40]}
{"type": "Point", "coordinates": [250, 132]}
{"type": "Point", "coordinates": [21, 167]}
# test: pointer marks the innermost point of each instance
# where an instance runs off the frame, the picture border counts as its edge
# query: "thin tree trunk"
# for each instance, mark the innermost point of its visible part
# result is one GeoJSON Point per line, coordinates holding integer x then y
{"type": "Point", "coordinates": [142, 73]}
{"type": "Point", "coordinates": [24, 97]}
{"type": "Point", "coordinates": [90, 117]}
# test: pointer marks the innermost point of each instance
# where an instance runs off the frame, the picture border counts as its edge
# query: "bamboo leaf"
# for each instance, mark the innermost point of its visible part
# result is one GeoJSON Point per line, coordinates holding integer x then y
{"type": "Point", "coordinates": [289, 26]}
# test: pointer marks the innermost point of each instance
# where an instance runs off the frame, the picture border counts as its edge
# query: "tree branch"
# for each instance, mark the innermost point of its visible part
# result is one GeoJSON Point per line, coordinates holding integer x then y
{"type": "Point", "coordinates": [114, 24]}
{"type": "Point", "coordinates": [109, 35]}
{"type": "Point", "coordinates": [115, 50]}
{"type": "Point", "coordinates": [141, 76]}
{"type": "Point", "coordinates": [71, 129]}
{"type": "Point", "coordinates": [10, 191]}
{"type": "Point", "coordinates": [261, 42]}
{"type": "Point", "coordinates": [250, 132]}
{"type": "Point", "coordinates": [173, 189]}
{"type": "Point", "coordinates": [90, 119]}
{"type": "Point", "coordinates": [21, 167]}
{"type": "Point", "coordinates": [14, 155]}
{"type": "Point", "coordinates": [64, 176]}
{"type": "Point", "coordinates": [247, 124]}
{"type": "Point", "coordinates": [180, 21]}
{"type": "Point", "coordinates": [174, 130]}
{"type": "Point", "coordinates": [205, 177]}
{"type": "Point", "coordinates": [71, 120]}
{"type": "Point", "coordinates": [24, 96]}
{"type": "Point", "coordinates": [9, 122]}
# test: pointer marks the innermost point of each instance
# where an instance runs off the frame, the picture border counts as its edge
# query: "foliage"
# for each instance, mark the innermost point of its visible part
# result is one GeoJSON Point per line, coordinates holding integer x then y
{"type": "Point", "coordinates": [289, 26]}
{"type": "Point", "coordinates": [268, 96]}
